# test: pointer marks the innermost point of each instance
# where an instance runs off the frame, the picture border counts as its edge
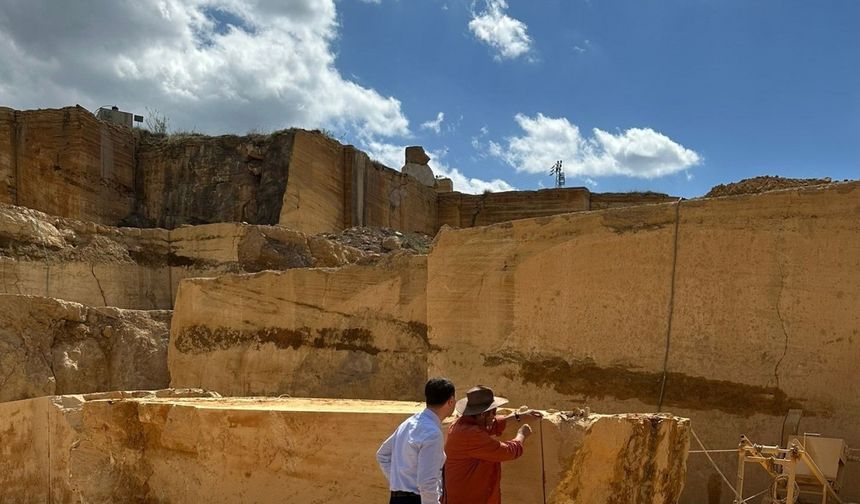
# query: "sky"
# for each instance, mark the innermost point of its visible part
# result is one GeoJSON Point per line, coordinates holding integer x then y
{"type": "Point", "coordinates": [673, 96]}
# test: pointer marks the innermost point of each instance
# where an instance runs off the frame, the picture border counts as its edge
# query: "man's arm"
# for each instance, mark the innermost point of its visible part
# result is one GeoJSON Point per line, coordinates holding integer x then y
{"type": "Point", "coordinates": [383, 456]}
{"type": "Point", "coordinates": [431, 457]}
{"type": "Point", "coordinates": [493, 450]}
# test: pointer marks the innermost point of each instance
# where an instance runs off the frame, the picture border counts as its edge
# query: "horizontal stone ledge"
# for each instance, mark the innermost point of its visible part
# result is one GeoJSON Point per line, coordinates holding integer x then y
{"type": "Point", "coordinates": [142, 447]}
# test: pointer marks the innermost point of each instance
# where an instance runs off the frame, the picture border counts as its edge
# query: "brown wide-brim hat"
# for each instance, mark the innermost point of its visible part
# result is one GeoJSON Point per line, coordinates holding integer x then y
{"type": "Point", "coordinates": [479, 400]}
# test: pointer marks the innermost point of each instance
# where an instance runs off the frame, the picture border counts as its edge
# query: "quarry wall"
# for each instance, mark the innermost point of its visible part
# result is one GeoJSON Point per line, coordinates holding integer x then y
{"type": "Point", "coordinates": [196, 179]}
{"type": "Point", "coordinates": [711, 309]}
{"type": "Point", "coordinates": [137, 447]}
{"type": "Point", "coordinates": [49, 346]}
{"type": "Point", "coordinates": [66, 162]}
{"type": "Point", "coordinates": [335, 187]}
{"type": "Point", "coordinates": [353, 332]}
{"type": "Point", "coordinates": [756, 300]}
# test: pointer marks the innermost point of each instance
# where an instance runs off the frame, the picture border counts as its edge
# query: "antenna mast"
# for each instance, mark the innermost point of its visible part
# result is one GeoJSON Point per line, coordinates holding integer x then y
{"type": "Point", "coordinates": [558, 172]}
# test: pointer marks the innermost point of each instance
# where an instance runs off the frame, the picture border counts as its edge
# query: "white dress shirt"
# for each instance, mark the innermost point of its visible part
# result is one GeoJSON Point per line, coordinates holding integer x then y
{"type": "Point", "coordinates": [412, 457]}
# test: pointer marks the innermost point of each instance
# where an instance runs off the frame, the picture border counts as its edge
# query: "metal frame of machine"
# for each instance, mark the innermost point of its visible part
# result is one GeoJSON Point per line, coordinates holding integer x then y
{"type": "Point", "coordinates": [793, 464]}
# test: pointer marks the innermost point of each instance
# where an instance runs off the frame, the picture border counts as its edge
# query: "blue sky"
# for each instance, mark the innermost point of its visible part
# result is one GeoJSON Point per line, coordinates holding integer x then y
{"type": "Point", "coordinates": [671, 96]}
{"type": "Point", "coordinates": [755, 88]}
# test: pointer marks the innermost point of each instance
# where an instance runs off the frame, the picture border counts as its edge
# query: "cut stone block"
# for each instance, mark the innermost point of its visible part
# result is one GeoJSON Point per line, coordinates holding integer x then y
{"type": "Point", "coordinates": [154, 447]}
{"type": "Point", "coordinates": [352, 332]}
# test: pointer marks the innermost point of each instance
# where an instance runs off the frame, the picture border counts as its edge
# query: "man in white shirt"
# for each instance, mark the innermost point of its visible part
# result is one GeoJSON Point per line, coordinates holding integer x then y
{"type": "Point", "coordinates": [412, 458]}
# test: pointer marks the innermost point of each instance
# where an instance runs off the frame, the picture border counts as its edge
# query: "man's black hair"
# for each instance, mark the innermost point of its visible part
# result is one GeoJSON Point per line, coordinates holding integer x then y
{"type": "Point", "coordinates": [438, 391]}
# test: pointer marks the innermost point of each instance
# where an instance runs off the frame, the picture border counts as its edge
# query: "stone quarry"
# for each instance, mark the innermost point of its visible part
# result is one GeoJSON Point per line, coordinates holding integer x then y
{"type": "Point", "coordinates": [245, 319]}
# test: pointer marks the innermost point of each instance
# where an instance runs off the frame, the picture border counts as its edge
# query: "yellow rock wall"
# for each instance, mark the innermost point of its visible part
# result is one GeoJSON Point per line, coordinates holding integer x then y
{"type": "Point", "coordinates": [314, 198]}
{"type": "Point", "coordinates": [575, 309]}
{"type": "Point", "coordinates": [332, 187]}
{"type": "Point", "coordinates": [379, 196]}
{"type": "Point", "coordinates": [761, 292]}
{"type": "Point", "coordinates": [354, 332]}
{"type": "Point", "coordinates": [142, 447]}
{"type": "Point", "coordinates": [66, 162]}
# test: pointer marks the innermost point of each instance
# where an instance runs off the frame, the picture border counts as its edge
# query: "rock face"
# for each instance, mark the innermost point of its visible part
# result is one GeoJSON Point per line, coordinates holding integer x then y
{"type": "Point", "coordinates": [197, 179]}
{"type": "Point", "coordinates": [49, 346]}
{"type": "Point", "coordinates": [66, 162]}
{"type": "Point", "coordinates": [635, 459]}
{"type": "Point", "coordinates": [353, 332]}
{"type": "Point", "coordinates": [141, 268]}
{"type": "Point", "coordinates": [152, 447]}
{"type": "Point", "coordinates": [422, 173]}
{"type": "Point", "coordinates": [444, 185]}
{"type": "Point", "coordinates": [334, 187]}
{"type": "Point", "coordinates": [577, 309]}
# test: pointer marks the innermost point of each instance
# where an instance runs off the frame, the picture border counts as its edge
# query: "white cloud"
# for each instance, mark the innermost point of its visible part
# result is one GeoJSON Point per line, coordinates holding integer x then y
{"type": "Point", "coordinates": [436, 124]}
{"type": "Point", "coordinates": [481, 148]}
{"type": "Point", "coordinates": [470, 185]}
{"type": "Point", "coordinates": [212, 65]}
{"type": "Point", "coordinates": [377, 2]}
{"type": "Point", "coordinates": [586, 45]}
{"type": "Point", "coordinates": [463, 183]}
{"type": "Point", "coordinates": [393, 155]}
{"type": "Point", "coordinates": [501, 32]}
{"type": "Point", "coordinates": [636, 152]}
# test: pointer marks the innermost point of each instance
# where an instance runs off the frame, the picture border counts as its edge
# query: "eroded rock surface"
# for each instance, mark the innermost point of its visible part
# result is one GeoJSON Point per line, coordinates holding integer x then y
{"type": "Point", "coordinates": [197, 179]}
{"type": "Point", "coordinates": [765, 183]}
{"type": "Point", "coordinates": [49, 346]}
{"type": "Point", "coordinates": [140, 268]}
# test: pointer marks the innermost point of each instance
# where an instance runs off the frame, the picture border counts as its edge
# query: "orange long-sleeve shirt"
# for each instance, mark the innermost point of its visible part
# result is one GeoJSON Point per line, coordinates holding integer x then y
{"type": "Point", "coordinates": [473, 470]}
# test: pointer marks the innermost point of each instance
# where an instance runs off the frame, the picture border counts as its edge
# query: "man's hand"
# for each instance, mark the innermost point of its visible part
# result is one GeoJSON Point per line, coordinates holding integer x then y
{"type": "Point", "coordinates": [523, 413]}
{"type": "Point", "coordinates": [524, 431]}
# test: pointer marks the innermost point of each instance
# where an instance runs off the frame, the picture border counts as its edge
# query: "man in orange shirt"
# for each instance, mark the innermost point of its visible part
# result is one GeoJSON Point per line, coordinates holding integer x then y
{"type": "Point", "coordinates": [473, 470]}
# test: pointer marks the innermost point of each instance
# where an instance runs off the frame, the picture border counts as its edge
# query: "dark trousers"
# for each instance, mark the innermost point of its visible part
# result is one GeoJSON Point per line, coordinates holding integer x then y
{"type": "Point", "coordinates": [404, 498]}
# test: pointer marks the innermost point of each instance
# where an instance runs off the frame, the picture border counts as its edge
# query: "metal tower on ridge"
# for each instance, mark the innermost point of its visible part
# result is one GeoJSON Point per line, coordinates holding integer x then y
{"type": "Point", "coordinates": [558, 172]}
